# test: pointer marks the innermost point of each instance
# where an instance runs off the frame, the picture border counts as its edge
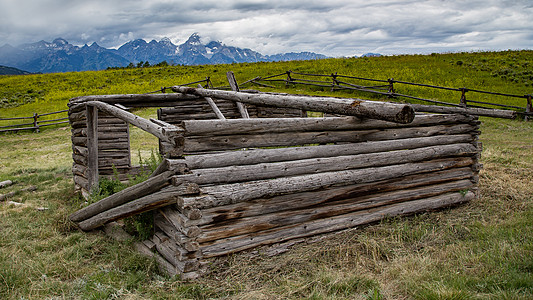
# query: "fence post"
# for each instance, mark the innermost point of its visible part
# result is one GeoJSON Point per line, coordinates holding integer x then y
{"type": "Point", "coordinates": [35, 124]}
{"type": "Point", "coordinates": [289, 79]}
{"type": "Point", "coordinates": [391, 87]}
{"type": "Point", "coordinates": [529, 107]}
{"type": "Point", "coordinates": [463, 97]}
{"type": "Point", "coordinates": [335, 83]}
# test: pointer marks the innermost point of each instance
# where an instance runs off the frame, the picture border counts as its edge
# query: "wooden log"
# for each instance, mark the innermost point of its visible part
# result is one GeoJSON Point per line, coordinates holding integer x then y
{"type": "Point", "coordinates": [256, 156]}
{"type": "Point", "coordinates": [247, 241]}
{"type": "Point", "coordinates": [270, 125]}
{"type": "Point", "coordinates": [179, 252]}
{"type": "Point", "coordinates": [214, 107]}
{"type": "Point", "coordinates": [187, 243]}
{"type": "Point", "coordinates": [239, 192]}
{"type": "Point", "coordinates": [5, 183]}
{"type": "Point", "coordinates": [261, 171]}
{"type": "Point", "coordinates": [164, 248]}
{"type": "Point", "coordinates": [137, 206]}
{"type": "Point", "coordinates": [495, 113]}
{"type": "Point", "coordinates": [81, 181]}
{"type": "Point", "coordinates": [171, 216]}
{"type": "Point", "coordinates": [168, 134]}
{"type": "Point", "coordinates": [398, 113]}
{"type": "Point", "coordinates": [144, 188]}
{"type": "Point", "coordinates": [260, 223]}
{"type": "Point", "coordinates": [136, 100]}
{"type": "Point", "coordinates": [229, 142]}
{"type": "Point", "coordinates": [79, 170]}
{"type": "Point", "coordinates": [318, 197]}
{"type": "Point", "coordinates": [234, 87]}
{"type": "Point", "coordinates": [92, 147]}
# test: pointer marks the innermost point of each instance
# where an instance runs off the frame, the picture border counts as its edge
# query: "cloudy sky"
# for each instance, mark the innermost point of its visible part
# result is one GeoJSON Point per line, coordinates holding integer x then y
{"type": "Point", "coordinates": [331, 27]}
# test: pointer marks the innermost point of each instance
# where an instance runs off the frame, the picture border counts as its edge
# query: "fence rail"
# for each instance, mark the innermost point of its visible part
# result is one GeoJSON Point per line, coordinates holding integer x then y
{"type": "Point", "coordinates": [35, 124]}
{"type": "Point", "coordinates": [339, 82]}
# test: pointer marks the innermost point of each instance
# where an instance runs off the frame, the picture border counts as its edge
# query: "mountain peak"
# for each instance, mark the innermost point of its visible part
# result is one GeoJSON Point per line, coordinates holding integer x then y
{"type": "Point", "coordinates": [194, 39]}
{"type": "Point", "coordinates": [60, 42]}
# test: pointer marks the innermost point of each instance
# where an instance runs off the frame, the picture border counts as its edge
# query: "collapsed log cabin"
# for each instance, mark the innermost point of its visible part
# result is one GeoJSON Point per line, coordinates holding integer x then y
{"type": "Point", "coordinates": [232, 181]}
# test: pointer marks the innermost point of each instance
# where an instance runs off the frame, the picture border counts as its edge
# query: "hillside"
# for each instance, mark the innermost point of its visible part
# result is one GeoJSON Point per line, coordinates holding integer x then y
{"type": "Point", "coordinates": [12, 71]}
{"type": "Point", "coordinates": [480, 250]}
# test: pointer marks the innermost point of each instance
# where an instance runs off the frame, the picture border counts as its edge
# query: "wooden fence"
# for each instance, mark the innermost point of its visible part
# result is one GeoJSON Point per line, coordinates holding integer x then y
{"type": "Point", "coordinates": [35, 124]}
{"type": "Point", "coordinates": [388, 88]}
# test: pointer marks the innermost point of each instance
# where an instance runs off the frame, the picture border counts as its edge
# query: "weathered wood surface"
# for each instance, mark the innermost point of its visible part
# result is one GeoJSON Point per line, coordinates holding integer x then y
{"type": "Point", "coordinates": [247, 241]}
{"type": "Point", "coordinates": [188, 231]}
{"type": "Point", "coordinates": [164, 133]}
{"type": "Point", "coordinates": [92, 146]}
{"type": "Point", "coordinates": [255, 156]}
{"type": "Point", "coordinates": [301, 200]}
{"type": "Point", "coordinates": [271, 125]}
{"type": "Point", "coordinates": [495, 113]}
{"type": "Point", "coordinates": [239, 192]}
{"type": "Point", "coordinates": [399, 113]}
{"type": "Point", "coordinates": [230, 142]}
{"type": "Point", "coordinates": [140, 205]}
{"type": "Point", "coordinates": [214, 107]}
{"type": "Point", "coordinates": [234, 87]}
{"type": "Point", "coordinates": [264, 222]}
{"type": "Point", "coordinates": [187, 243]}
{"type": "Point", "coordinates": [261, 171]}
{"type": "Point", "coordinates": [144, 188]}
{"type": "Point", "coordinates": [165, 248]}
{"type": "Point", "coordinates": [5, 183]}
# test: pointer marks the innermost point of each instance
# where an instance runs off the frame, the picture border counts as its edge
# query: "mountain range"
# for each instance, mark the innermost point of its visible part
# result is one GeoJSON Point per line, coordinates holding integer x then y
{"type": "Point", "coordinates": [61, 56]}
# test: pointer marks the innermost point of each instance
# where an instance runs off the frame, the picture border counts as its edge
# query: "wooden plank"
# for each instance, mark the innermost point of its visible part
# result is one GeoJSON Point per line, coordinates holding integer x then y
{"type": "Point", "coordinates": [256, 156]}
{"type": "Point", "coordinates": [236, 227]}
{"type": "Point", "coordinates": [236, 173]}
{"type": "Point", "coordinates": [231, 142]}
{"type": "Point", "coordinates": [247, 241]}
{"type": "Point", "coordinates": [495, 113]}
{"type": "Point", "coordinates": [399, 113]}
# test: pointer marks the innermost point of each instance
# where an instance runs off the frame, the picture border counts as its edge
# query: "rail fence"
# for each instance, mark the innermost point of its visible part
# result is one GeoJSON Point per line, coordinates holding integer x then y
{"type": "Point", "coordinates": [388, 88]}
{"type": "Point", "coordinates": [34, 123]}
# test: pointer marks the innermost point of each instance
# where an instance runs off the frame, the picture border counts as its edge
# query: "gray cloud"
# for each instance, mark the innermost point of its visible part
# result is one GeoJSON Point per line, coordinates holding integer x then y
{"type": "Point", "coordinates": [336, 27]}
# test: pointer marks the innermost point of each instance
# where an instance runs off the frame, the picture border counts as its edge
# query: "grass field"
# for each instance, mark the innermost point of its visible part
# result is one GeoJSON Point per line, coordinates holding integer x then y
{"type": "Point", "coordinates": [480, 250]}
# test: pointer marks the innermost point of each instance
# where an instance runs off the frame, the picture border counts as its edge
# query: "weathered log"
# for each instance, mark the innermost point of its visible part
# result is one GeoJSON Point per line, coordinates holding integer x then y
{"type": "Point", "coordinates": [170, 215]}
{"type": "Point", "coordinates": [318, 197]}
{"type": "Point", "coordinates": [495, 113]}
{"type": "Point", "coordinates": [229, 142]}
{"type": "Point", "coordinates": [144, 188]}
{"type": "Point", "coordinates": [239, 192]}
{"type": "Point", "coordinates": [234, 87]}
{"type": "Point", "coordinates": [261, 171]}
{"type": "Point", "coordinates": [81, 181]}
{"type": "Point", "coordinates": [187, 243]}
{"type": "Point", "coordinates": [179, 252]}
{"type": "Point", "coordinates": [79, 169]}
{"type": "Point", "coordinates": [167, 252]}
{"type": "Point", "coordinates": [399, 113]}
{"type": "Point", "coordinates": [270, 125]}
{"type": "Point", "coordinates": [135, 100]}
{"type": "Point", "coordinates": [92, 147]}
{"type": "Point", "coordinates": [260, 223]}
{"type": "Point", "coordinates": [137, 206]}
{"type": "Point", "coordinates": [243, 242]}
{"type": "Point", "coordinates": [168, 134]}
{"type": "Point", "coordinates": [5, 183]}
{"type": "Point", "coordinates": [256, 156]}
{"type": "Point", "coordinates": [214, 107]}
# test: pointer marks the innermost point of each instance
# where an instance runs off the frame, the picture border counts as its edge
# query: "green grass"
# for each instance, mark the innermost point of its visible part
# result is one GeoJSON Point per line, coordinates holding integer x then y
{"type": "Point", "coordinates": [480, 250]}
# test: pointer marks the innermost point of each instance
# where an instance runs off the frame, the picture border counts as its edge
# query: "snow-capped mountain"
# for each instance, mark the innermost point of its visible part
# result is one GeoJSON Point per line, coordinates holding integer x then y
{"type": "Point", "coordinates": [61, 56]}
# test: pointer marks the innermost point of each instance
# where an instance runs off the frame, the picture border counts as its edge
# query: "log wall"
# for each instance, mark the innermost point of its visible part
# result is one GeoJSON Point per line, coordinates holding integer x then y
{"type": "Point", "coordinates": [266, 181]}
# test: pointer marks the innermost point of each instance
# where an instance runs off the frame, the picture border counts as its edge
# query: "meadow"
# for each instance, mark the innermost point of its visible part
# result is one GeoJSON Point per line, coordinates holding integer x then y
{"type": "Point", "coordinates": [479, 250]}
